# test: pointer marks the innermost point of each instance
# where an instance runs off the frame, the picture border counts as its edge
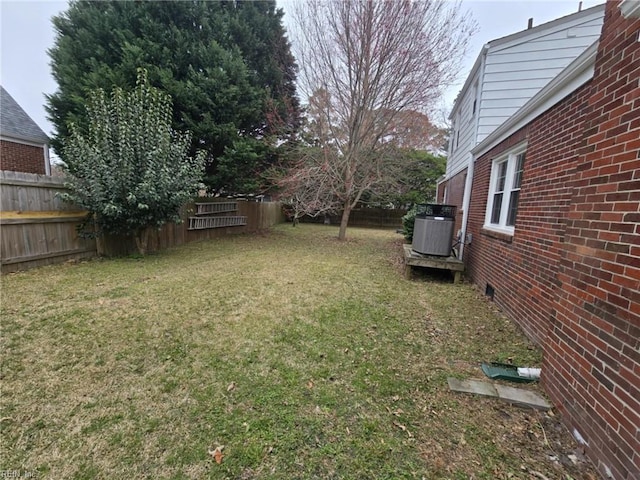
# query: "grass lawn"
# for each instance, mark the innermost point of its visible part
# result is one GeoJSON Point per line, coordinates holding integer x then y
{"type": "Point", "coordinates": [298, 355]}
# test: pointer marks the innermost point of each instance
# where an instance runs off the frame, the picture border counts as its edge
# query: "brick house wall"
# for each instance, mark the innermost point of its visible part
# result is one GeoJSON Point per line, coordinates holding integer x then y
{"type": "Point", "coordinates": [20, 157]}
{"type": "Point", "coordinates": [570, 274]}
{"type": "Point", "coordinates": [522, 269]}
{"type": "Point", "coordinates": [593, 345]}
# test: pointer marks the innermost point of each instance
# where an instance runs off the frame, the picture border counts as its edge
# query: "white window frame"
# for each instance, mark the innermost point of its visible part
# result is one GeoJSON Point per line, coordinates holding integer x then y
{"type": "Point", "coordinates": [511, 159]}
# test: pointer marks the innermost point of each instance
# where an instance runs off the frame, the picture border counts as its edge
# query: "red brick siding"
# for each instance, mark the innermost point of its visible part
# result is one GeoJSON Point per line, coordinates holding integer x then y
{"type": "Point", "coordinates": [570, 275]}
{"type": "Point", "coordinates": [19, 157]}
{"type": "Point", "coordinates": [593, 346]}
{"type": "Point", "coordinates": [523, 269]}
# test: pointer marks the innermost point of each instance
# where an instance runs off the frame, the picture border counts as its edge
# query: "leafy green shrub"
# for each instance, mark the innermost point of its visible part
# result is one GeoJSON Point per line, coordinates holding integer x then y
{"type": "Point", "coordinates": [408, 221]}
{"type": "Point", "coordinates": [131, 171]}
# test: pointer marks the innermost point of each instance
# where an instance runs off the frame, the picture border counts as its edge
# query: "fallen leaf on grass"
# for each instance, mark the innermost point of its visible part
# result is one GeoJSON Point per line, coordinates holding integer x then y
{"type": "Point", "coordinates": [217, 454]}
{"type": "Point", "coordinates": [403, 428]}
{"type": "Point", "coordinates": [396, 413]}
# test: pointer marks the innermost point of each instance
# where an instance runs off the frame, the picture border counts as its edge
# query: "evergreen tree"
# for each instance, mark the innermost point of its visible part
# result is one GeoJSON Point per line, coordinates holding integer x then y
{"type": "Point", "coordinates": [227, 65]}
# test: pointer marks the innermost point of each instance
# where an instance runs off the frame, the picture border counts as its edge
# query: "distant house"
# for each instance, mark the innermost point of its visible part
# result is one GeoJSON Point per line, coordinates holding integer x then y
{"type": "Point", "coordinates": [24, 147]}
{"type": "Point", "coordinates": [506, 74]}
{"type": "Point", "coordinates": [554, 227]}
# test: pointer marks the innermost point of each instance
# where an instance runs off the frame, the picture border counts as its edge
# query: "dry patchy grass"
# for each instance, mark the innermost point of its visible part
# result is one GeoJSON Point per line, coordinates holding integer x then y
{"type": "Point", "coordinates": [305, 357]}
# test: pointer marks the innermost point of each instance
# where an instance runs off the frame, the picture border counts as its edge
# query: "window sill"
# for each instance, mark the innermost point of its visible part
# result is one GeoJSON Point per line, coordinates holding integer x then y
{"type": "Point", "coordinates": [504, 236]}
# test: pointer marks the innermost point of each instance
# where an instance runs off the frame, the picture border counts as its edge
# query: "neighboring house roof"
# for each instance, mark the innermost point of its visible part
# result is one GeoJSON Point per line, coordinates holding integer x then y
{"type": "Point", "coordinates": [15, 123]}
{"type": "Point", "coordinates": [521, 37]}
{"type": "Point", "coordinates": [576, 74]}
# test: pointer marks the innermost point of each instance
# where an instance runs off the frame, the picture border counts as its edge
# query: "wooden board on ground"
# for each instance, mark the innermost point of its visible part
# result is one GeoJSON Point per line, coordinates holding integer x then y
{"type": "Point", "coordinates": [515, 396]}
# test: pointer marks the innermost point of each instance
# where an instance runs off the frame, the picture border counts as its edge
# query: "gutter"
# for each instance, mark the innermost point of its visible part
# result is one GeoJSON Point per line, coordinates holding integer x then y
{"type": "Point", "coordinates": [630, 9]}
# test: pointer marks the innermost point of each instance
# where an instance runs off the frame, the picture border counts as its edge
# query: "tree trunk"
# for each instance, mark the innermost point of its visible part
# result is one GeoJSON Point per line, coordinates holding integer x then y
{"type": "Point", "coordinates": [100, 247]}
{"type": "Point", "coordinates": [142, 240]}
{"type": "Point", "coordinates": [342, 233]}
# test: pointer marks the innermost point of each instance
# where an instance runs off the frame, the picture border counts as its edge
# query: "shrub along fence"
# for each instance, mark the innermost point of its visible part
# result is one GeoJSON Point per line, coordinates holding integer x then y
{"type": "Point", "coordinates": [202, 223]}
{"type": "Point", "coordinates": [37, 228]}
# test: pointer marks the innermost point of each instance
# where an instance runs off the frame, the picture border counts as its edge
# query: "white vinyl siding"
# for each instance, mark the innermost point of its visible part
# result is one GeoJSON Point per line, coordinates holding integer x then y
{"type": "Point", "coordinates": [516, 70]}
{"type": "Point", "coordinates": [513, 70]}
{"type": "Point", "coordinates": [463, 134]}
{"type": "Point", "coordinates": [508, 58]}
{"type": "Point", "coordinates": [517, 93]}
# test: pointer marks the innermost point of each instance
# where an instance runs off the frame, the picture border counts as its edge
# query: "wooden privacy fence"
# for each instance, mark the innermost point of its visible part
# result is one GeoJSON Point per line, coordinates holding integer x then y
{"type": "Point", "coordinates": [37, 228]}
{"type": "Point", "coordinates": [364, 217]}
{"type": "Point", "coordinates": [241, 217]}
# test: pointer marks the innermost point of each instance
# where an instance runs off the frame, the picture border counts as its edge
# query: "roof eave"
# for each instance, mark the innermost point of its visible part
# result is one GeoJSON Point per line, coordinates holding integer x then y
{"type": "Point", "coordinates": [19, 139]}
{"type": "Point", "coordinates": [547, 25]}
{"type": "Point", "coordinates": [474, 70]}
{"type": "Point", "coordinates": [521, 34]}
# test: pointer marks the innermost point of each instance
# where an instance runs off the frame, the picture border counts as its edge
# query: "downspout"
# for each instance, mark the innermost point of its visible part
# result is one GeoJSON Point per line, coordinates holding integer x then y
{"type": "Point", "coordinates": [466, 200]}
{"type": "Point", "coordinates": [47, 161]}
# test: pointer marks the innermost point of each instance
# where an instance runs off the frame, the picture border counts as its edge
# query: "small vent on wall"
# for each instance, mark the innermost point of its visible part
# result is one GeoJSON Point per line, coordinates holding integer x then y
{"type": "Point", "coordinates": [489, 292]}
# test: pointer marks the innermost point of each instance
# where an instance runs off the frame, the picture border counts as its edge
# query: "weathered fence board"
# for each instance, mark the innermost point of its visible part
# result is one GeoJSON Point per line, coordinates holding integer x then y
{"type": "Point", "coordinates": [259, 216]}
{"type": "Point", "coordinates": [364, 217]}
{"type": "Point", "coordinates": [36, 226]}
{"type": "Point", "coordinates": [25, 192]}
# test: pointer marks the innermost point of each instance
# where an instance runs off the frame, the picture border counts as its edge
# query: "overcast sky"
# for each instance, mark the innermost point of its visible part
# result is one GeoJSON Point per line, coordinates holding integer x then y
{"type": "Point", "coordinates": [27, 34]}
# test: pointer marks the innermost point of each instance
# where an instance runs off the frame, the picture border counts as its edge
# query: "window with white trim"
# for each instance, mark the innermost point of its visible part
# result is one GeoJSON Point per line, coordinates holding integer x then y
{"type": "Point", "coordinates": [504, 191]}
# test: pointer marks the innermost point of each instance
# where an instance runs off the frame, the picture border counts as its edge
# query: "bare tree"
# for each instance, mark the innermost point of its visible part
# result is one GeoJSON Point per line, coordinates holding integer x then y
{"type": "Point", "coordinates": [306, 188]}
{"type": "Point", "coordinates": [372, 61]}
